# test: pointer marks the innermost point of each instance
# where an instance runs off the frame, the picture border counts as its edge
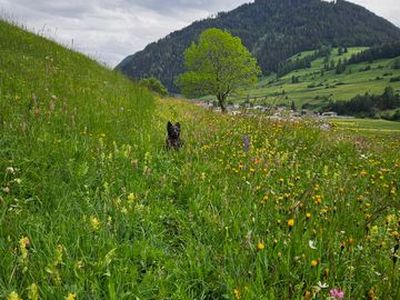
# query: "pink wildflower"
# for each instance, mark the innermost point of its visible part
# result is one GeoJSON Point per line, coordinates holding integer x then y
{"type": "Point", "coordinates": [336, 293]}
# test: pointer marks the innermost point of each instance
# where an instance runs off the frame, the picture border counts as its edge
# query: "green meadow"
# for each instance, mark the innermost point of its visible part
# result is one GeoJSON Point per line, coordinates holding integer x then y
{"type": "Point", "coordinates": [92, 205]}
{"type": "Point", "coordinates": [316, 89]}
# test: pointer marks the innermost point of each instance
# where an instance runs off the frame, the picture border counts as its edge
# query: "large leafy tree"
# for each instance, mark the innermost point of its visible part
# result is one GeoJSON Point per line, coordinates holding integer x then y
{"type": "Point", "coordinates": [218, 64]}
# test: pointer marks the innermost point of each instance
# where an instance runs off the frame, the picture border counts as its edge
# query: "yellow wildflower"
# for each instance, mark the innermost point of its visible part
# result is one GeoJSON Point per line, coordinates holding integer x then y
{"type": "Point", "coordinates": [290, 223]}
{"type": "Point", "coordinates": [260, 246]}
{"type": "Point", "coordinates": [33, 293]}
{"type": "Point", "coordinates": [13, 296]}
{"type": "Point", "coordinates": [95, 223]}
{"type": "Point", "coordinates": [236, 292]}
{"type": "Point", "coordinates": [23, 245]}
{"type": "Point", "coordinates": [131, 198]}
{"type": "Point", "coordinates": [317, 199]}
{"type": "Point", "coordinates": [71, 296]}
{"type": "Point", "coordinates": [314, 263]}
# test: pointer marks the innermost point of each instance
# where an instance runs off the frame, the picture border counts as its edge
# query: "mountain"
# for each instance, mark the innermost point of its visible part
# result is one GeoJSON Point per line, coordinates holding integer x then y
{"type": "Point", "coordinates": [273, 30]}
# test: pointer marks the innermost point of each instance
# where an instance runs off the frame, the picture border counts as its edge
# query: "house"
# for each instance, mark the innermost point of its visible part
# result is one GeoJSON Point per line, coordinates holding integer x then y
{"type": "Point", "coordinates": [329, 114]}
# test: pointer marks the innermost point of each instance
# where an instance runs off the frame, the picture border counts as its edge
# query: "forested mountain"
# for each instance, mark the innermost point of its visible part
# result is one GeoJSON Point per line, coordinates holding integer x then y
{"type": "Point", "coordinates": [273, 30]}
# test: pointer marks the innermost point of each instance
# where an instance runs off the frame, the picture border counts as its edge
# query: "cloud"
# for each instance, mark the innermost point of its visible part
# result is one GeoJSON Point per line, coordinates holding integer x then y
{"type": "Point", "coordinates": [109, 30]}
{"type": "Point", "coordinates": [389, 9]}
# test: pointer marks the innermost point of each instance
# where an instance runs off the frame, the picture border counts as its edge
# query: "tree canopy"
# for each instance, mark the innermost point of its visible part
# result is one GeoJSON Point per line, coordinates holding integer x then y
{"type": "Point", "coordinates": [218, 64]}
{"type": "Point", "coordinates": [154, 85]}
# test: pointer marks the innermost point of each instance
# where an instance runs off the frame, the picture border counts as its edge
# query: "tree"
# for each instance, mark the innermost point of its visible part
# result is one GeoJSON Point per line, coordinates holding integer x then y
{"type": "Point", "coordinates": [218, 64]}
{"type": "Point", "coordinates": [154, 85]}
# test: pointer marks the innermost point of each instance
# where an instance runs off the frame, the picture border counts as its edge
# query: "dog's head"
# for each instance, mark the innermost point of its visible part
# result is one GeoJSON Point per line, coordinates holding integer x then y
{"type": "Point", "coordinates": [174, 130]}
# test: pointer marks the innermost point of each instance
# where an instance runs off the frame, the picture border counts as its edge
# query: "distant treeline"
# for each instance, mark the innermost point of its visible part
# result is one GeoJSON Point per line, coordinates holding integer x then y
{"type": "Point", "coordinates": [302, 63]}
{"type": "Point", "coordinates": [367, 105]}
{"type": "Point", "coordinates": [391, 50]}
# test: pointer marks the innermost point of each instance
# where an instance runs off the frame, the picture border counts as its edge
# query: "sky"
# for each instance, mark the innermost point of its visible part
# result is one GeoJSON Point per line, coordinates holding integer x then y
{"type": "Point", "coordinates": [110, 30]}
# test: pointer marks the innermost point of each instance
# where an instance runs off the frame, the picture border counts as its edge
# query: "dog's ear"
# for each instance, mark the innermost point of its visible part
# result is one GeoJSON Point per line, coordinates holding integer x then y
{"type": "Point", "coordinates": [169, 126]}
{"type": "Point", "coordinates": [178, 125]}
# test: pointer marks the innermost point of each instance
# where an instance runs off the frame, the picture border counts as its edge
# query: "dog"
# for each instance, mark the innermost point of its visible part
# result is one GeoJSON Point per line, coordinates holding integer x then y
{"type": "Point", "coordinates": [174, 140]}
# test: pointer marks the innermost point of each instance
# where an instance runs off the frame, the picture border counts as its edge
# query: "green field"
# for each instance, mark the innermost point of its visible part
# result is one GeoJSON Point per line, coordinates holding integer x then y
{"type": "Point", "coordinates": [92, 205]}
{"type": "Point", "coordinates": [377, 126]}
{"type": "Point", "coordinates": [317, 89]}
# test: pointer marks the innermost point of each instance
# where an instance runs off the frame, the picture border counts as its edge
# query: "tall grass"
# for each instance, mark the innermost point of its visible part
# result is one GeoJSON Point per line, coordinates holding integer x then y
{"type": "Point", "coordinates": [94, 207]}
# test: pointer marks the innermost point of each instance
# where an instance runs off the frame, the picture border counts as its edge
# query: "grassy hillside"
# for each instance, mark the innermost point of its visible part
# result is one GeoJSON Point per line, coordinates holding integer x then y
{"type": "Point", "coordinates": [58, 110]}
{"type": "Point", "coordinates": [92, 206]}
{"type": "Point", "coordinates": [317, 88]}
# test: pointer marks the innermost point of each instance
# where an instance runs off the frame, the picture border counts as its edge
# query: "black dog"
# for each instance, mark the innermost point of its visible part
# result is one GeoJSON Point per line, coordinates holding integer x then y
{"type": "Point", "coordinates": [173, 139]}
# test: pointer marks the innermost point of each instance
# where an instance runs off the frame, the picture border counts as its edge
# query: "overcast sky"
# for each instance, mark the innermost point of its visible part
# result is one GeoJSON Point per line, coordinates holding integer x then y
{"type": "Point", "coordinates": [109, 30]}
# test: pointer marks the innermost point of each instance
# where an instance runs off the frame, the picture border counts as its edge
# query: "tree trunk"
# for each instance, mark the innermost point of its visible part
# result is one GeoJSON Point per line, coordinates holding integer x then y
{"type": "Point", "coordinates": [221, 102]}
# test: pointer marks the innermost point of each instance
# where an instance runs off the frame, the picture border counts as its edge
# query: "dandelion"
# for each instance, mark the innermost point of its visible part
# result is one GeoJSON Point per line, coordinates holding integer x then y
{"type": "Point", "coordinates": [95, 223]}
{"type": "Point", "coordinates": [290, 223]}
{"type": "Point", "coordinates": [314, 263]}
{"type": "Point", "coordinates": [308, 216]}
{"type": "Point", "coordinates": [260, 246]}
{"type": "Point", "coordinates": [336, 294]}
{"type": "Point", "coordinates": [13, 296]}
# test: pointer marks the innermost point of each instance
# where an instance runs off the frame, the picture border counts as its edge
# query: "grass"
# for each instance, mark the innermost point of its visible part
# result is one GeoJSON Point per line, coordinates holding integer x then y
{"type": "Point", "coordinates": [378, 126]}
{"type": "Point", "coordinates": [93, 206]}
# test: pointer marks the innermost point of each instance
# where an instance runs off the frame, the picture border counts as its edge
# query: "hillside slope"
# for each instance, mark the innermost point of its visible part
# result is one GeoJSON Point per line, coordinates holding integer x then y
{"type": "Point", "coordinates": [58, 110]}
{"type": "Point", "coordinates": [92, 205]}
{"type": "Point", "coordinates": [273, 30]}
{"type": "Point", "coordinates": [314, 87]}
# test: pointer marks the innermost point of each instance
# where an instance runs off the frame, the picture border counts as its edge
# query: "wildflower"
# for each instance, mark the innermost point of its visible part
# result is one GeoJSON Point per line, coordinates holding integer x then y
{"type": "Point", "coordinates": [24, 244]}
{"type": "Point", "coordinates": [131, 197]}
{"type": "Point", "coordinates": [33, 293]}
{"type": "Point", "coordinates": [314, 263]}
{"type": "Point", "coordinates": [311, 244]}
{"type": "Point", "coordinates": [308, 216]}
{"type": "Point", "coordinates": [290, 223]}
{"type": "Point", "coordinates": [79, 265]}
{"type": "Point", "coordinates": [236, 292]}
{"type": "Point", "coordinates": [260, 246]}
{"type": "Point", "coordinates": [13, 296]}
{"type": "Point", "coordinates": [246, 143]}
{"type": "Point", "coordinates": [322, 285]}
{"type": "Point", "coordinates": [317, 199]}
{"type": "Point", "coordinates": [95, 223]}
{"type": "Point", "coordinates": [71, 296]}
{"type": "Point", "coordinates": [336, 293]}
{"type": "Point", "coordinates": [10, 170]}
